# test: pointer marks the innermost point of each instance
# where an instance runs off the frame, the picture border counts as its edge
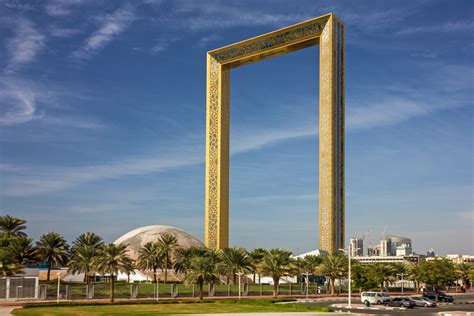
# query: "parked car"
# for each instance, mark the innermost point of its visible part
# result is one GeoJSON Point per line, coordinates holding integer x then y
{"type": "Point", "coordinates": [374, 297]}
{"type": "Point", "coordinates": [423, 301]}
{"type": "Point", "coordinates": [442, 297]}
{"type": "Point", "coordinates": [401, 302]}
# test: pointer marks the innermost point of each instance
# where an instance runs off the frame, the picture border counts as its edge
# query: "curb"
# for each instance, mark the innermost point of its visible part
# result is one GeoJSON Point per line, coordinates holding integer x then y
{"type": "Point", "coordinates": [370, 308]}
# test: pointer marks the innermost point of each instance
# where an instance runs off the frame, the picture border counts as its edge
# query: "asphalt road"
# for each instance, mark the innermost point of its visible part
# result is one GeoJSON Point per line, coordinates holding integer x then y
{"type": "Point", "coordinates": [458, 306]}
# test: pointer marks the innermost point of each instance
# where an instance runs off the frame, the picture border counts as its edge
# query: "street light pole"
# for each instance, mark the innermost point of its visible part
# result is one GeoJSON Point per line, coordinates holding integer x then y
{"type": "Point", "coordinates": [307, 285]}
{"type": "Point", "coordinates": [240, 283]}
{"type": "Point", "coordinates": [403, 280]}
{"type": "Point", "coordinates": [349, 298]}
{"type": "Point", "coordinates": [59, 282]}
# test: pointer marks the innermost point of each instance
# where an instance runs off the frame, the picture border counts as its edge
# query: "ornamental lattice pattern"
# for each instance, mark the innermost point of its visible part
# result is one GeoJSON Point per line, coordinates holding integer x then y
{"type": "Point", "coordinates": [277, 40]}
{"type": "Point", "coordinates": [213, 159]}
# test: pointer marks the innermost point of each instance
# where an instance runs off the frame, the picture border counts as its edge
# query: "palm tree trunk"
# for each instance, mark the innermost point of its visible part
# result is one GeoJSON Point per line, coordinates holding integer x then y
{"type": "Point", "coordinates": [166, 268]}
{"type": "Point", "coordinates": [49, 271]}
{"type": "Point", "coordinates": [154, 274]}
{"type": "Point", "coordinates": [111, 287]}
{"type": "Point", "coordinates": [331, 285]}
{"type": "Point", "coordinates": [200, 290]}
{"type": "Point", "coordinates": [275, 287]}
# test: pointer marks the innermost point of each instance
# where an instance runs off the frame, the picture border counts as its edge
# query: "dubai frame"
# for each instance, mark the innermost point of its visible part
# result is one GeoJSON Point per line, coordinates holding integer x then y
{"type": "Point", "coordinates": [326, 31]}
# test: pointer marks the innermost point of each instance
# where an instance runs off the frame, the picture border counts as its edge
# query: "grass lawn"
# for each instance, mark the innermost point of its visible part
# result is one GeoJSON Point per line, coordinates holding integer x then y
{"type": "Point", "coordinates": [230, 306]}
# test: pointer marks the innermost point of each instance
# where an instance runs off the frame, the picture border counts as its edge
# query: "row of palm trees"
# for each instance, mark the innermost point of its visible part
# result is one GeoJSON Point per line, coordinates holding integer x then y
{"type": "Point", "coordinates": [90, 255]}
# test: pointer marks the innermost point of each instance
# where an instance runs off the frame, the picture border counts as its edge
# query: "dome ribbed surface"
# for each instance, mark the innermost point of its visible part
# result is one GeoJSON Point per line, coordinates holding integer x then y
{"type": "Point", "coordinates": [140, 236]}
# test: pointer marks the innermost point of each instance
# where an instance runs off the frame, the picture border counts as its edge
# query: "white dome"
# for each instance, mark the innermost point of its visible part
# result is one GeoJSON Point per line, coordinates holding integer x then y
{"type": "Point", "coordinates": [140, 236]}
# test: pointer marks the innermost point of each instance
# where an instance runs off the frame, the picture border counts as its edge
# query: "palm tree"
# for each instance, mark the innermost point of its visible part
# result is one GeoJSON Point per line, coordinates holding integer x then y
{"type": "Point", "coordinates": [83, 253]}
{"type": "Point", "coordinates": [277, 263]}
{"type": "Point", "coordinates": [234, 260]}
{"type": "Point", "coordinates": [167, 243]}
{"type": "Point", "coordinates": [201, 269]}
{"type": "Point", "coordinates": [8, 267]}
{"type": "Point", "coordinates": [333, 266]}
{"type": "Point", "coordinates": [182, 258]}
{"type": "Point", "coordinates": [463, 271]}
{"type": "Point", "coordinates": [11, 227]}
{"type": "Point", "coordinates": [111, 260]}
{"type": "Point", "coordinates": [383, 274]}
{"type": "Point", "coordinates": [150, 257]}
{"type": "Point", "coordinates": [23, 251]}
{"type": "Point", "coordinates": [256, 257]}
{"type": "Point", "coordinates": [53, 249]}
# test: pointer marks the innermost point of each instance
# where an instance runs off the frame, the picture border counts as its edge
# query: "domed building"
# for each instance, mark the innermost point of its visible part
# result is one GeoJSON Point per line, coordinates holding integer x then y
{"type": "Point", "coordinates": [140, 236]}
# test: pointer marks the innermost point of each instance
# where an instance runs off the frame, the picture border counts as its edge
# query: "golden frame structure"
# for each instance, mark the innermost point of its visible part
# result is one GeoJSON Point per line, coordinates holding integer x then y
{"type": "Point", "coordinates": [326, 31]}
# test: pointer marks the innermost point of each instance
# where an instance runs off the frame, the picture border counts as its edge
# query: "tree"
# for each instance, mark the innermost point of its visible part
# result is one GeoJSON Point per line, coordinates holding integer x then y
{"type": "Point", "coordinates": [333, 266]}
{"type": "Point", "coordinates": [362, 277]}
{"type": "Point", "coordinates": [276, 263]}
{"type": "Point", "coordinates": [201, 269]}
{"type": "Point", "coordinates": [23, 251]}
{"type": "Point", "coordinates": [167, 243]}
{"type": "Point", "coordinates": [182, 259]}
{"type": "Point", "coordinates": [437, 273]}
{"type": "Point", "coordinates": [383, 274]}
{"type": "Point", "coordinates": [150, 257]}
{"type": "Point", "coordinates": [111, 260]}
{"type": "Point", "coordinates": [414, 274]}
{"type": "Point", "coordinates": [11, 227]}
{"type": "Point", "coordinates": [256, 257]}
{"type": "Point", "coordinates": [53, 249]}
{"type": "Point", "coordinates": [84, 250]}
{"type": "Point", "coordinates": [234, 260]}
{"type": "Point", "coordinates": [463, 271]}
{"type": "Point", "coordinates": [8, 267]}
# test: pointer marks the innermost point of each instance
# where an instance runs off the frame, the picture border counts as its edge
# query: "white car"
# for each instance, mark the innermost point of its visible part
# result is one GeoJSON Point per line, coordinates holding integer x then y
{"type": "Point", "coordinates": [374, 297]}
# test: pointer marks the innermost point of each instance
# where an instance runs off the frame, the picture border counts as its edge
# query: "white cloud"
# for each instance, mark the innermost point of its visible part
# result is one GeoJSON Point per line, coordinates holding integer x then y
{"type": "Point", "coordinates": [61, 7]}
{"type": "Point", "coordinates": [111, 26]}
{"type": "Point", "coordinates": [450, 26]}
{"type": "Point", "coordinates": [63, 32]}
{"type": "Point", "coordinates": [25, 45]}
{"type": "Point", "coordinates": [23, 101]}
{"type": "Point", "coordinates": [18, 104]}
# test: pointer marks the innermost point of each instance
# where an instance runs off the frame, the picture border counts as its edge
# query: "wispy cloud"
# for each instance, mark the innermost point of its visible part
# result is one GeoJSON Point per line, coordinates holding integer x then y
{"type": "Point", "coordinates": [61, 7]}
{"type": "Point", "coordinates": [18, 104]}
{"type": "Point", "coordinates": [450, 26]}
{"type": "Point", "coordinates": [63, 32]}
{"type": "Point", "coordinates": [205, 40]}
{"type": "Point", "coordinates": [205, 15]}
{"type": "Point", "coordinates": [111, 26]}
{"type": "Point", "coordinates": [25, 44]}
{"type": "Point", "coordinates": [23, 101]}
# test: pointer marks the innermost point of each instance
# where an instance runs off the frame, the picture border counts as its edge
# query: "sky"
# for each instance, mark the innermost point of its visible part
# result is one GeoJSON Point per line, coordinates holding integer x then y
{"type": "Point", "coordinates": [102, 120]}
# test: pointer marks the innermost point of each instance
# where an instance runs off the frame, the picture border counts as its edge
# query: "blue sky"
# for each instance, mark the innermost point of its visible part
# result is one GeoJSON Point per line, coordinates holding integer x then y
{"type": "Point", "coordinates": [102, 119]}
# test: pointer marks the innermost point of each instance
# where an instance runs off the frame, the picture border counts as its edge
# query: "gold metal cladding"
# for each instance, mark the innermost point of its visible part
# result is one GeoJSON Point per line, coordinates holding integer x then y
{"type": "Point", "coordinates": [328, 32]}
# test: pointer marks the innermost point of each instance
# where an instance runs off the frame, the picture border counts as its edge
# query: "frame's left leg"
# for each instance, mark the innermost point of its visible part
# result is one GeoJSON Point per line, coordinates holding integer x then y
{"type": "Point", "coordinates": [217, 155]}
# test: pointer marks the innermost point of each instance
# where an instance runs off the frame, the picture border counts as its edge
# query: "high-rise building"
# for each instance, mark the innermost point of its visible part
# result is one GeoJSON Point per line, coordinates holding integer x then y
{"type": "Point", "coordinates": [356, 247]}
{"type": "Point", "coordinates": [389, 244]}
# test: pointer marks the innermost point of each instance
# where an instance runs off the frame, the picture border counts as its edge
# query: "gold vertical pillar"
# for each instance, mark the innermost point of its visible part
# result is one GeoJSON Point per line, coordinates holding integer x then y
{"type": "Point", "coordinates": [331, 137]}
{"type": "Point", "coordinates": [217, 155]}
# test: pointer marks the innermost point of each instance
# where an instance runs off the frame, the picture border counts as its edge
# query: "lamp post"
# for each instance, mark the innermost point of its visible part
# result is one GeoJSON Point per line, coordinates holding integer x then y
{"type": "Point", "coordinates": [240, 283]}
{"type": "Point", "coordinates": [307, 285]}
{"type": "Point", "coordinates": [403, 280]}
{"type": "Point", "coordinates": [349, 298]}
{"type": "Point", "coordinates": [59, 282]}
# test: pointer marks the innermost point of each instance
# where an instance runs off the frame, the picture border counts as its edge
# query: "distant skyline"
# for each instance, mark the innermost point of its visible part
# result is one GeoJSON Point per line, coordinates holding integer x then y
{"type": "Point", "coordinates": [102, 120]}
